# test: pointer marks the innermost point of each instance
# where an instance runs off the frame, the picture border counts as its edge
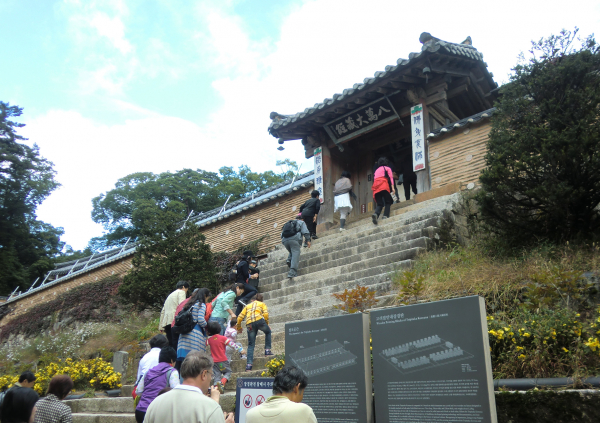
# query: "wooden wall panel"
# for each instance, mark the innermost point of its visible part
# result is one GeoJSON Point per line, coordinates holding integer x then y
{"type": "Point", "coordinates": [267, 219]}
{"type": "Point", "coordinates": [458, 157]}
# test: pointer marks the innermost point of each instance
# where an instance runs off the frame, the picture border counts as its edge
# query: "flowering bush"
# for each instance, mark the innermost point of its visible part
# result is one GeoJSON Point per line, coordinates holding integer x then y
{"type": "Point", "coordinates": [356, 299]}
{"type": "Point", "coordinates": [96, 373]}
{"type": "Point", "coordinates": [545, 344]}
{"type": "Point", "coordinates": [274, 365]}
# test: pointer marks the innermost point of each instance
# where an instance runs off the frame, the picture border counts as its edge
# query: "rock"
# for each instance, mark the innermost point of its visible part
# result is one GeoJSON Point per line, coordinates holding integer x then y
{"type": "Point", "coordinates": [120, 361]}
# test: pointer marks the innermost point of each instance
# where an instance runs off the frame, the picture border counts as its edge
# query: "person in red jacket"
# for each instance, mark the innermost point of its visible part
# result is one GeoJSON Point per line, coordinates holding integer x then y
{"type": "Point", "coordinates": [218, 343]}
{"type": "Point", "coordinates": [382, 188]}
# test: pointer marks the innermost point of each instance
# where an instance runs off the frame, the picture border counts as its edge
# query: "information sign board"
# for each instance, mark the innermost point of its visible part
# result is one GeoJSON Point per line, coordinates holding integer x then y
{"type": "Point", "coordinates": [334, 354]}
{"type": "Point", "coordinates": [251, 392]}
{"type": "Point", "coordinates": [431, 362]}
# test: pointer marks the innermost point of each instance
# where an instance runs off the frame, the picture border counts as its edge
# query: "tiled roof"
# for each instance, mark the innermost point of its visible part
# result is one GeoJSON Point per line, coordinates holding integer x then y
{"type": "Point", "coordinates": [433, 46]}
{"type": "Point", "coordinates": [462, 123]}
{"type": "Point", "coordinates": [70, 269]}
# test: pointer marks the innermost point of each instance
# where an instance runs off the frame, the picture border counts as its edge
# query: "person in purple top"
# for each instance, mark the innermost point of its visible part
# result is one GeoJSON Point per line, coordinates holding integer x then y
{"type": "Point", "coordinates": [155, 380]}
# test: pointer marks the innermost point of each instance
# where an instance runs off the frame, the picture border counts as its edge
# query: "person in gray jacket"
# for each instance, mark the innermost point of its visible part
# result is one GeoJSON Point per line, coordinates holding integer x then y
{"type": "Point", "coordinates": [291, 237]}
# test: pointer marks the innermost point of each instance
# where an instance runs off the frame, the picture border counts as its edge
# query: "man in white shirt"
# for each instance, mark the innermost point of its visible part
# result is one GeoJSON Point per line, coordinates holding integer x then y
{"type": "Point", "coordinates": [285, 406]}
{"type": "Point", "coordinates": [168, 311]}
{"type": "Point", "coordinates": [188, 402]}
{"type": "Point", "coordinates": [150, 359]}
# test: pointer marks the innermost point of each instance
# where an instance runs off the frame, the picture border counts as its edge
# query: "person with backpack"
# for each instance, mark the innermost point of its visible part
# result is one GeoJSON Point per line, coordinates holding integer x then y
{"type": "Point", "coordinates": [291, 238]}
{"type": "Point", "coordinates": [243, 277]}
{"type": "Point", "coordinates": [222, 305]}
{"type": "Point", "coordinates": [190, 323]}
{"type": "Point", "coordinates": [382, 188]}
{"type": "Point", "coordinates": [155, 380]}
{"type": "Point", "coordinates": [310, 209]}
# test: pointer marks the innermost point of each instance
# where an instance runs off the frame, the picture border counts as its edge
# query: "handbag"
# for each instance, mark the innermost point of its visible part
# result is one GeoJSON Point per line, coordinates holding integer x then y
{"type": "Point", "coordinates": [184, 322]}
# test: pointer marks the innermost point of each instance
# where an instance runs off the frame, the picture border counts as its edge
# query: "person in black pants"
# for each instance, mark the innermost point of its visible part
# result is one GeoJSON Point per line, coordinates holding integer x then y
{"type": "Point", "coordinates": [409, 180]}
{"type": "Point", "coordinates": [243, 276]}
{"type": "Point", "coordinates": [310, 209]}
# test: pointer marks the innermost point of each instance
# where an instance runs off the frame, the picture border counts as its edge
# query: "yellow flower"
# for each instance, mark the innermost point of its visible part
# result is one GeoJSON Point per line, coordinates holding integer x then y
{"type": "Point", "coordinates": [522, 356]}
{"type": "Point", "coordinates": [520, 348]}
{"type": "Point", "coordinates": [565, 350]}
{"type": "Point", "coordinates": [526, 334]}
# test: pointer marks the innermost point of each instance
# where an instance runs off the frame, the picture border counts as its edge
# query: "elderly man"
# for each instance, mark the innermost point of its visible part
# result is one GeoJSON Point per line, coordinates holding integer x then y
{"type": "Point", "coordinates": [167, 314]}
{"type": "Point", "coordinates": [188, 402]}
{"type": "Point", "coordinates": [285, 404]}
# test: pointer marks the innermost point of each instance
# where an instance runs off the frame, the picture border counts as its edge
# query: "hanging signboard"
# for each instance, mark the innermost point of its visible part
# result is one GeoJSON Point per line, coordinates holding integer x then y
{"type": "Point", "coordinates": [319, 172]}
{"type": "Point", "coordinates": [418, 137]}
{"type": "Point", "coordinates": [359, 121]}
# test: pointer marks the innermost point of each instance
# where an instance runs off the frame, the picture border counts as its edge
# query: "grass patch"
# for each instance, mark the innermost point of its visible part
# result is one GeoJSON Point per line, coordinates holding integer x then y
{"type": "Point", "coordinates": [542, 303]}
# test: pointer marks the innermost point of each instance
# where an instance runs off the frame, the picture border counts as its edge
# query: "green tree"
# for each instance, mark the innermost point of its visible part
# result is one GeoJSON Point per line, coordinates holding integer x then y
{"type": "Point", "coordinates": [27, 245]}
{"type": "Point", "coordinates": [123, 210]}
{"type": "Point", "coordinates": [542, 179]}
{"type": "Point", "coordinates": [166, 254]}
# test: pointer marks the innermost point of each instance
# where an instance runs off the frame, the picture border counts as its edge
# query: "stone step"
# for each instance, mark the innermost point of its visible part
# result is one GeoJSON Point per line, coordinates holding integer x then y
{"type": "Point", "coordinates": [345, 246]}
{"type": "Point", "coordinates": [104, 418]}
{"type": "Point", "coordinates": [318, 312]}
{"type": "Point", "coordinates": [101, 405]}
{"type": "Point", "coordinates": [380, 284]}
{"type": "Point", "coordinates": [126, 390]}
{"type": "Point", "coordinates": [391, 224]}
{"type": "Point", "coordinates": [353, 271]}
{"type": "Point", "coordinates": [227, 401]}
{"type": "Point", "coordinates": [388, 247]}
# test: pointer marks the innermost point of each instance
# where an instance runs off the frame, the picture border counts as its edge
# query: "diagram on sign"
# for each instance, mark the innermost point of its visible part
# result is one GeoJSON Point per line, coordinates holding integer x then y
{"type": "Point", "coordinates": [424, 354]}
{"type": "Point", "coordinates": [323, 358]}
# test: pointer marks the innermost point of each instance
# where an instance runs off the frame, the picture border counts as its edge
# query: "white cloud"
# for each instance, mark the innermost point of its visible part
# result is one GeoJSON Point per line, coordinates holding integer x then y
{"type": "Point", "coordinates": [323, 47]}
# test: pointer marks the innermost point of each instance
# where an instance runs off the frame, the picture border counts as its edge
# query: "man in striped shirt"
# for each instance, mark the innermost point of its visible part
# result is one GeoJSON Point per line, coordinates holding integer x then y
{"type": "Point", "coordinates": [257, 318]}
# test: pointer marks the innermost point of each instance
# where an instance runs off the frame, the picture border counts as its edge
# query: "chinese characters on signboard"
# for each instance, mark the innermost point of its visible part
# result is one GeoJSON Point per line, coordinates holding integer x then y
{"type": "Point", "coordinates": [418, 137]}
{"type": "Point", "coordinates": [367, 117]}
{"type": "Point", "coordinates": [319, 172]}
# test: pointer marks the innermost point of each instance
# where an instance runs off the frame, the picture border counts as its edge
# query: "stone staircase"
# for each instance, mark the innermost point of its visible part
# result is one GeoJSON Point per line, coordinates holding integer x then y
{"type": "Point", "coordinates": [102, 410]}
{"type": "Point", "coordinates": [363, 254]}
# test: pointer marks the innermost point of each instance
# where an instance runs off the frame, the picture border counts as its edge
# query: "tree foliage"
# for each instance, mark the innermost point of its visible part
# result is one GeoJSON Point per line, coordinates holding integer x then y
{"type": "Point", "coordinates": [124, 210]}
{"type": "Point", "coordinates": [27, 245]}
{"type": "Point", "coordinates": [542, 179]}
{"type": "Point", "coordinates": [166, 254]}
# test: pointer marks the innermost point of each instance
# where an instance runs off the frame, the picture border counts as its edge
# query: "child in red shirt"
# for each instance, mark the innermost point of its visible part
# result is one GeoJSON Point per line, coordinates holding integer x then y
{"type": "Point", "coordinates": [217, 343]}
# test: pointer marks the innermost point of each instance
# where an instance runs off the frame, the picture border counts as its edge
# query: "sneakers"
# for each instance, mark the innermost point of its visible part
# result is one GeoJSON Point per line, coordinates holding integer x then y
{"type": "Point", "coordinates": [268, 352]}
{"type": "Point", "coordinates": [374, 218]}
{"type": "Point", "coordinates": [384, 217]}
{"type": "Point", "coordinates": [248, 367]}
{"type": "Point", "coordinates": [243, 356]}
{"type": "Point", "coordinates": [342, 229]}
{"type": "Point", "coordinates": [314, 236]}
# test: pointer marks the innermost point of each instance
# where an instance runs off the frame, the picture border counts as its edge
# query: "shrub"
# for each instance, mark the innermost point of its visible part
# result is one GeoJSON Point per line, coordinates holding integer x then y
{"type": "Point", "coordinates": [356, 300]}
{"type": "Point", "coordinates": [542, 166]}
{"type": "Point", "coordinates": [96, 374]}
{"type": "Point", "coordinates": [274, 365]}
{"type": "Point", "coordinates": [411, 286]}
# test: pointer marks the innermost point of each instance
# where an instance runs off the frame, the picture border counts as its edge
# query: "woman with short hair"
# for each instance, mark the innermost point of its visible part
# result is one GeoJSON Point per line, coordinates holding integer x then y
{"type": "Point", "coordinates": [223, 305]}
{"type": "Point", "coordinates": [51, 409]}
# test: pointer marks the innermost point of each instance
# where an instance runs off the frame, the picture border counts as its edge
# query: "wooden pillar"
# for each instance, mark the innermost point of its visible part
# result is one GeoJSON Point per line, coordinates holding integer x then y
{"type": "Point", "coordinates": [325, 219]}
{"type": "Point", "coordinates": [424, 176]}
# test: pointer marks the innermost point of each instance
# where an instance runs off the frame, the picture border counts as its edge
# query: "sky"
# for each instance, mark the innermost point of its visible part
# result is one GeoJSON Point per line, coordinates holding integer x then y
{"type": "Point", "coordinates": [113, 87]}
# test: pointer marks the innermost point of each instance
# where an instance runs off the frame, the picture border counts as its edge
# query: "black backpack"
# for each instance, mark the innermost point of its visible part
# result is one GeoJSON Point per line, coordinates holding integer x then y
{"type": "Point", "coordinates": [289, 229]}
{"type": "Point", "coordinates": [184, 322]}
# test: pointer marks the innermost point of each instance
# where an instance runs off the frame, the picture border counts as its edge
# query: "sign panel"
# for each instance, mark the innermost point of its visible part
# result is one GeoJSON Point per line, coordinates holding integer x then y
{"type": "Point", "coordinates": [367, 117]}
{"type": "Point", "coordinates": [319, 172]}
{"type": "Point", "coordinates": [418, 137]}
{"type": "Point", "coordinates": [431, 362]}
{"type": "Point", "coordinates": [334, 354]}
{"type": "Point", "coordinates": [251, 392]}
